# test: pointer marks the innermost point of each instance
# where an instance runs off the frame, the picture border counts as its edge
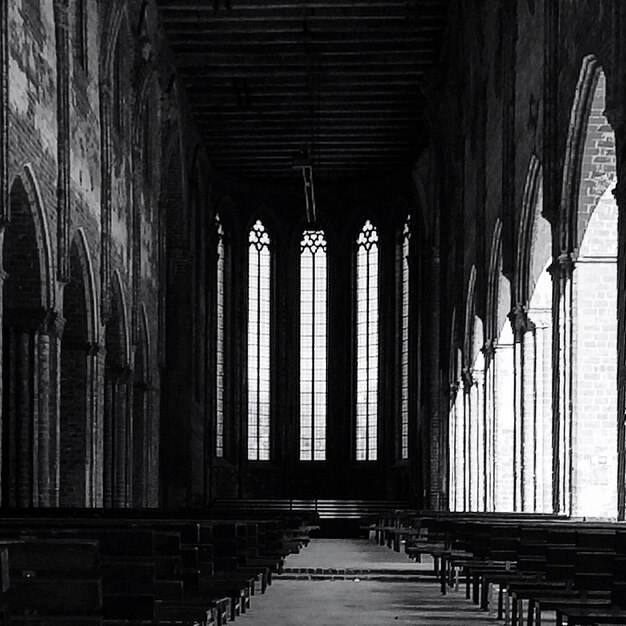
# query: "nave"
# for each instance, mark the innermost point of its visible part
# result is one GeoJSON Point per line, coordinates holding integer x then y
{"type": "Point", "coordinates": [342, 582]}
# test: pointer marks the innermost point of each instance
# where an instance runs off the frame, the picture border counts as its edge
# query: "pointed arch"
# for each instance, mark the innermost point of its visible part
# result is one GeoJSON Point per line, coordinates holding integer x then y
{"type": "Point", "coordinates": [468, 327]}
{"type": "Point", "coordinates": [591, 77]}
{"type": "Point", "coordinates": [493, 282]}
{"type": "Point", "coordinates": [25, 193]}
{"type": "Point", "coordinates": [77, 381]}
{"type": "Point", "coordinates": [530, 209]}
{"type": "Point", "coordinates": [587, 308]}
{"type": "Point", "coordinates": [86, 267]}
{"type": "Point", "coordinates": [120, 313]}
{"type": "Point", "coordinates": [28, 296]}
{"type": "Point", "coordinates": [117, 12]}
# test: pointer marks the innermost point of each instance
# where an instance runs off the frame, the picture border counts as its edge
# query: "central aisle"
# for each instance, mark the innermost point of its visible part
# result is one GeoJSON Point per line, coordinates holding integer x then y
{"type": "Point", "coordinates": [301, 598]}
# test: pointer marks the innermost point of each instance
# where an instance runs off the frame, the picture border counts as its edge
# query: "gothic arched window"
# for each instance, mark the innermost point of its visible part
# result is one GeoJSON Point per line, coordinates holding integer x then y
{"type": "Point", "coordinates": [404, 339]}
{"type": "Point", "coordinates": [367, 343]}
{"type": "Point", "coordinates": [259, 287]}
{"type": "Point", "coordinates": [313, 334]}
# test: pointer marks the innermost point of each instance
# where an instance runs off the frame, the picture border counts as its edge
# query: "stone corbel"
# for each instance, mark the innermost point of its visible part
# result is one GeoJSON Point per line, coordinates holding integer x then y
{"type": "Point", "coordinates": [61, 8]}
{"type": "Point", "coordinates": [562, 266]}
{"type": "Point", "coordinates": [105, 90]}
{"type": "Point", "coordinates": [488, 349]}
{"type": "Point", "coordinates": [93, 349]}
{"type": "Point", "coordinates": [53, 324]}
{"type": "Point", "coordinates": [519, 321]}
{"type": "Point", "coordinates": [467, 376]}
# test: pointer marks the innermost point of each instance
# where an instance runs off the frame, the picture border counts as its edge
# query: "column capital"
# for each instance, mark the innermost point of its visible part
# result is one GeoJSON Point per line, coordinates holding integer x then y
{"type": "Point", "coordinates": [469, 378]}
{"type": "Point", "coordinates": [53, 324]}
{"type": "Point", "coordinates": [488, 349]}
{"type": "Point", "coordinates": [105, 88]}
{"type": "Point", "coordinates": [61, 10]}
{"type": "Point", "coordinates": [563, 265]}
{"type": "Point", "coordinates": [519, 320]}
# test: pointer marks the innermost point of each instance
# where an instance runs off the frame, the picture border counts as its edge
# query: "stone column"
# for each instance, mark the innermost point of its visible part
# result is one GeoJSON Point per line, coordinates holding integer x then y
{"type": "Point", "coordinates": [519, 323]}
{"type": "Point", "coordinates": [489, 428]}
{"type": "Point", "coordinates": [562, 275]}
{"type": "Point", "coordinates": [468, 448]}
{"type": "Point", "coordinates": [453, 444]}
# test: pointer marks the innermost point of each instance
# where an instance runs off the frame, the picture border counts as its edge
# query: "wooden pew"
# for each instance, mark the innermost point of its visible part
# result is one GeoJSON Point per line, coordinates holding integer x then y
{"type": "Point", "coordinates": [564, 565]}
{"type": "Point", "coordinates": [257, 548]}
{"type": "Point", "coordinates": [56, 580]}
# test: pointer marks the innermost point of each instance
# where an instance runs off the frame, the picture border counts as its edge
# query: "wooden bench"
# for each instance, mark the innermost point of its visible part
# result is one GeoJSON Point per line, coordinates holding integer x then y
{"type": "Point", "coordinates": [572, 567]}
{"type": "Point", "coordinates": [174, 570]}
{"type": "Point", "coordinates": [55, 579]}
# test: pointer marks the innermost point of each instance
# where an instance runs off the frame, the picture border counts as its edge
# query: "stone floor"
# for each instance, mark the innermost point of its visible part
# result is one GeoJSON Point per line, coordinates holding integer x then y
{"type": "Point", "coordinates": [359, 602]}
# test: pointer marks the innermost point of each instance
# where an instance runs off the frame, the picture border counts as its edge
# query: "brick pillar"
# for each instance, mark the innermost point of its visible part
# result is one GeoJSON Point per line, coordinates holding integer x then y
{"type": "Point", "coordinates": [454, 444]}
{"type": "Point", "coordinates": [22, 348]}
{"type": "Point", "coordinates": [528, 382]}
{"type": "Point", "coordinates": [120, 440]}
{"type": "Point", "coordinates": [110, 394]}
{"type": "Point", "coordinates": [31, 355]}
{"type": "Point", "coordinates": [48, 346]}
{"type": "Point", "coordinates": [128, 455]}
{"type": "Point", "coordinates": [489, 413]}
{"type": "Point", "coordinates": [477, 393]}
{"type": "Point", "coordinates": [562, 273]}
{"type": "Point", "coordinates": [95, 374]}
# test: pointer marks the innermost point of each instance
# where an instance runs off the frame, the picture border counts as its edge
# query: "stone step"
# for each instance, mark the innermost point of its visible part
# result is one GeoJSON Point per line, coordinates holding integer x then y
{"type": "Point", "coordinates": [357, 571]}
{"type": "Point", "coordinates": [357, 575]}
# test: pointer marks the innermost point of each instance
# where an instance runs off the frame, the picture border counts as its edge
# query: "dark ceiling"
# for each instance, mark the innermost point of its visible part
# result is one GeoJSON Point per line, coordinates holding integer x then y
{"type": "Point", "coordinates": [341, 79]}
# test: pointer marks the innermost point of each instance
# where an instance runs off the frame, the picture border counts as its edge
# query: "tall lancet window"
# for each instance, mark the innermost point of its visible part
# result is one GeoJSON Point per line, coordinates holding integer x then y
{"type": "Point", "coordinates": [404, 340]}
{"type": "Point", "coordinates": [313, 346]}
{"type": "Point", "coordinates": [259, 259]}
{"type": "Point", "coordinates": [219, 341]}
{"type": "Point", "coordinates": [367, 343]}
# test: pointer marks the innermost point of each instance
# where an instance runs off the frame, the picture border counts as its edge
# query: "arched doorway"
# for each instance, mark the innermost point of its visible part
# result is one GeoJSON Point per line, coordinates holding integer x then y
{"type": "Point", "coordinates": [587, 426]}
{"type": "Point", "coordinates": [22, 316]}
{"type": "Point", "coordinates": [117, 472]}
{"type": "Point", "coordinates": [75, 405]}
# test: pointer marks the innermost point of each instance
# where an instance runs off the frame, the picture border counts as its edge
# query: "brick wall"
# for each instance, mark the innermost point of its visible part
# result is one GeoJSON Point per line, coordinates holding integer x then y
{"type": "Point", "coordinates": [594, 430]}
{"type": "Point", "coordinates": [116, 232]}
{"type": "Point", "coordinates": [531, 56]}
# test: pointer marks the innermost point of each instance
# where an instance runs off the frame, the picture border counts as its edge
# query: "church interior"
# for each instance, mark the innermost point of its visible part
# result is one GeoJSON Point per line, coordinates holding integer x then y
{"type": "Point", "coordinates": [313, 312]}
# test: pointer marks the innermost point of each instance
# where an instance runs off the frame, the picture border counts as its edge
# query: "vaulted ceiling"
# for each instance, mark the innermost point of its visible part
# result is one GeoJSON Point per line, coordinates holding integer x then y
{"type": "Point", "coordinates": [340, 79]}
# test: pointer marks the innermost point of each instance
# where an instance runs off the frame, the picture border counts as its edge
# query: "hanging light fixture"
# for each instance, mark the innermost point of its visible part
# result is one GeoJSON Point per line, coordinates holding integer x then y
{"type": "Point", "coordinates": [303, 162]}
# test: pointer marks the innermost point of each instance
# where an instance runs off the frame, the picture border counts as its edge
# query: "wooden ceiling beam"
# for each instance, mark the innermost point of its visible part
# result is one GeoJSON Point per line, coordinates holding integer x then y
{"type": "Point", "coordinates": [359, 58]}
{"type": "Point", "coordinates": [296, 141]}
{"type": "Point", "coordinates": [292, 36]}
{"type": "Point", "coordinates": [261, 72]}
{"type": "Point", "coordinates": [316, 53]}
{"type": "Point", "coordinates": [265, 77]}
{"type": "Point", "coordinates": [264, 134]}
{"type": "Point", "coordinates": [369, 114]}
